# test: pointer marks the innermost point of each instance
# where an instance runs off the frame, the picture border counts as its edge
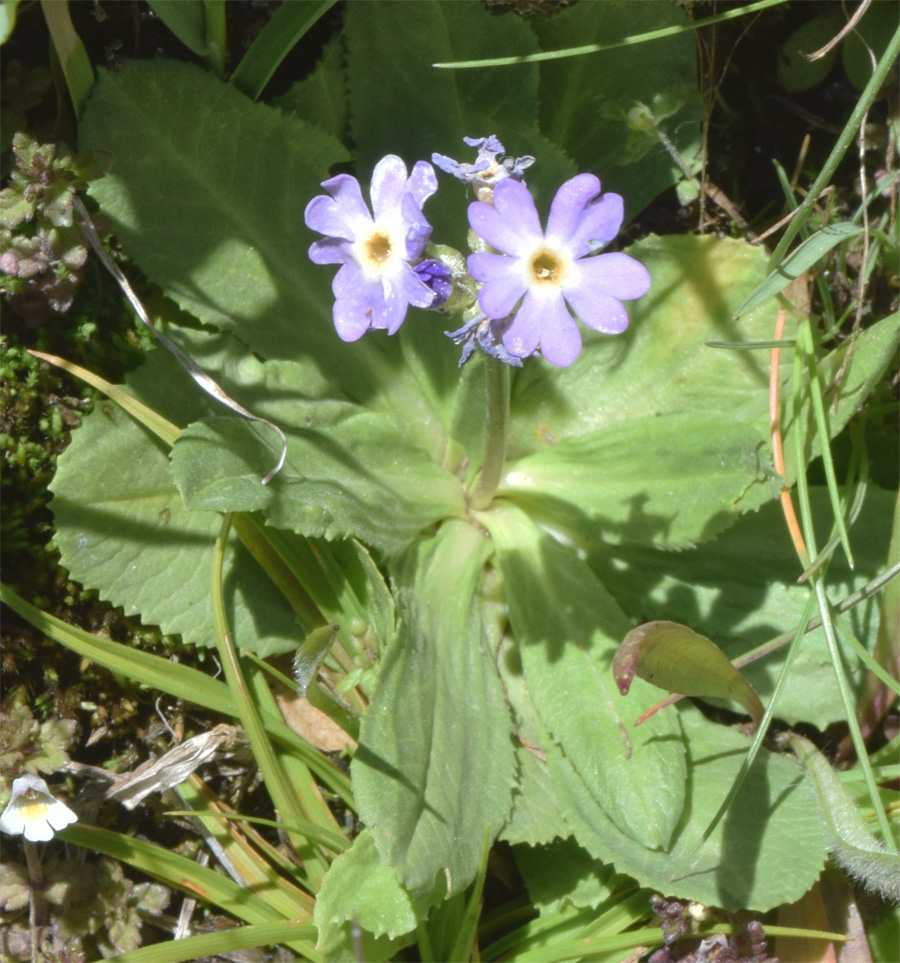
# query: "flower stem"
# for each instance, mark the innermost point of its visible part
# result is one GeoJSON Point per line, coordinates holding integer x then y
{"type": "Point", "coordinates": [495, 432]}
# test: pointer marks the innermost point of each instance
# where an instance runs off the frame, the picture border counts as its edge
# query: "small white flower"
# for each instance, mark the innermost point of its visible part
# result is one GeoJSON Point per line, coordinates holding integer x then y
{"type": "Point", "coordinates": [33, 811]}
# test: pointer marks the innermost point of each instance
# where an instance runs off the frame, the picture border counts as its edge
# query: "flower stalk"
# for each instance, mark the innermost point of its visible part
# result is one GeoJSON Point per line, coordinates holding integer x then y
{"type": "Point", "coordinates": [496, 431]}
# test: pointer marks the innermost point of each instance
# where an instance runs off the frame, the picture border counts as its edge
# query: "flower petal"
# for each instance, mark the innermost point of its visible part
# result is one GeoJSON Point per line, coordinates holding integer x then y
{"type": "Point", "coordinates": [399, 293]}
{"type": "Point", "coordinates": [599, 224]}
{"type": "Point", "coordinates": [532, 321]}
{"type": "Point", "coordinates": [11, 822]}
{"type": "Point", "coordinates": [407, 283]}
{"type": "Point", "coordinates": [418, 229]}
{"type": "Point", "coordinates": [37, 830]}
{"type": "Point", "coordinates": [598, 311]}
{"type": "Point", "coordinates": [346, 215]}
{"type": "Point", "coordinates": [330, 250]}
{"type": "Point", "coordinates": [358, 310]}
{"type": "Point", "coordinates": [512, 224]}
{"type": "Point", "coordinates": [617, 275]}
{"type": "Point", "coordinates": [569, 205]}
{"type": "Point", "coordinates": [388, 185]}
{"type": "Point", "coordinates": [359, 304]}
{"type": "Point", "coordinates": [59, 815]}
{"type": "Point", "coordinates": [422, 182]}
{"type": "Point", "coordinates": [503, 286]}
{"type": "Point", "coordinates": [559, 340]}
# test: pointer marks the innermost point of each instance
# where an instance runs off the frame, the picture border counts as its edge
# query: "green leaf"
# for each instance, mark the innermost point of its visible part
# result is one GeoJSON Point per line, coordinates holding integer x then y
{"type": "Point", "coordinates": [749, 862]}
{"type": "Point", "coordinates": [661, 364]}
{"type": "Point", "coordinates": [122, 529]}
{"type": "Point", "coordinates": [870, 39]}
{"type": "Point", "coordinates": [7, 19]}
{"type": "Point", "coordinates": [229, 243]}
{"type": "Point", "coordinates": [852, 843]}
{"type": "Point", "coordinates": [566, 628]}
{"type": "Point", "coordinates": [274, 42]}
{"type": "Point", "coordinates": [585, 101]}
{"type": "Point", "coordinates": [146, 669]}
{"type": "Point", "coordinates": [769, 849]}
{"type": "Point", "coordinates": [400, 104]}
{"type": "Point", "coordinates": [741, 590]}
{"type": "Point", "coordinates": [434, 767]}
{"type": "Point", "coordinates": [226, 942]}
{"type": "Point", "coordinates": [73, 57]}
{"type": "Point", "coordinates": [671, 480]}
{"type": "Point", "coordinates": [187, 20]}
{"type": "Point", "coordinates": [177, 870]}
{"type": "Point", "coordinates": [341, 577]}
{"type": "Point", "coordinates": [359, 477]}
{"type": "Point", "coordinates": [360, 887]}
{"type": "Point", "coordinates": [795, 72]}
{"type": "Point", "coordinates": [680, 660]}
{"type": "Point", "coordinates": [802, 259]}
{"type": "Point", "coordinates": [321, 98]}
{"type": "Point", "coordinates": [651, 388]}
{"type": "Point", "coordinates": [563, 872]}
{"type": "Point", "coordinates": [535, 816]}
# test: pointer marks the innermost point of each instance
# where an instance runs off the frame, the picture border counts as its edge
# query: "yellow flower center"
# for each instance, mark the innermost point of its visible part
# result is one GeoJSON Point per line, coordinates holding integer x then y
{"type": "Point", "coordinates": [546, 267]}
{"type": "Point", "coordinates": [378, 247]}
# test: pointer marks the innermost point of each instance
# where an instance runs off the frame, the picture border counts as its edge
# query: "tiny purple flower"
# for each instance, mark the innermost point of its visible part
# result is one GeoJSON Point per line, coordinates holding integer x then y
{"type": "Point", "coordinates": [490, 167]}
{"type": "Point", "coordinates": [487, 335]}
{"type": "Point", "coordinates": [545, 274]}
{"type": "Point", "coordinates": [377, 281]}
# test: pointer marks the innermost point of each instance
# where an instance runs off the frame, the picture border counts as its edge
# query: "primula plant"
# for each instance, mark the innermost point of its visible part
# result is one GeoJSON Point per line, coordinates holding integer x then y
{"type": "Point", "coordinates": [488, 499]}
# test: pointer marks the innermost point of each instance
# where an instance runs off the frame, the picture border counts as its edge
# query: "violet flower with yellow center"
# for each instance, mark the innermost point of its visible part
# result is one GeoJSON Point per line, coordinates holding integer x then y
{"type": "Point", "coordinates": [539, 276]}
{"type": "Point", "coordinates": [378, 254]}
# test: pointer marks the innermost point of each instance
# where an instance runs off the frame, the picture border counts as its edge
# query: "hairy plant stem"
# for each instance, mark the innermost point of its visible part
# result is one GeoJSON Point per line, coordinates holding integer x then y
{"type": "Point", "coordinates": [495, 432]}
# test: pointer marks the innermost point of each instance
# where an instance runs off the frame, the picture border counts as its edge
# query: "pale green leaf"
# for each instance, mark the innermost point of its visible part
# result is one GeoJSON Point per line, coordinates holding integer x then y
{"type": "Point", "coordinates": [434, 768]}
{"type": "Point", "coordinates": [563, 872]}
{"type": "Point", "coordinates": [124, 531]}
{"type": "Point", "coordinates": [207, 194]}
{"type": "Point", "coordinates": [401, 105]}
{"type": "Point", "coordinates": [359, 477]}
{"type": "Point", "coordinates": [741, 590]}
{"type": "Point", "coordinates": [661, 364]}
{"type": "Point", "coordinates": [567, 627]}
{"type": "Point", "coordinates": [7, 19]}
{"type": "Point", "coordinates": [535, 816]}
{"type": "Point", "coordinates": [672, 480]}
{"type": "Point", "coordinates": [852, 843]}
{"type": "Point", "coordinates": [769, 848]}
{"type": "Point", "coordinates": [360, 887]}
{"type": "Point", "coordinates": [321, 98]}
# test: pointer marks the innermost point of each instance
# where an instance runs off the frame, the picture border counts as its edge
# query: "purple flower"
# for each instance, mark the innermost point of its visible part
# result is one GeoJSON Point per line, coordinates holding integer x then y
{"type": "Point", "coordinates": [486, 334]}
{"type": "Point", "coordinates": [545, 274]}
{"type": "Point", "coordinates": [490, 167]}
{"type": "Point", "coordinates": [376, 282]}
